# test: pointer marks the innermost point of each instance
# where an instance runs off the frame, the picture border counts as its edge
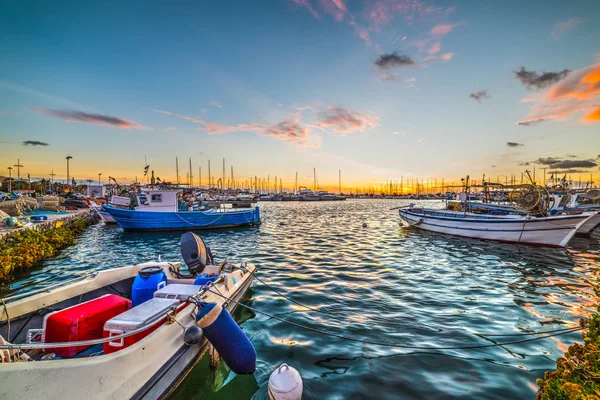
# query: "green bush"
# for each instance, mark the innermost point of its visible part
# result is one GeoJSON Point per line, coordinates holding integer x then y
{"type": "Point", "coordinates": [577, 374]}
{"type": "Point", "coordinates": [26, 248]}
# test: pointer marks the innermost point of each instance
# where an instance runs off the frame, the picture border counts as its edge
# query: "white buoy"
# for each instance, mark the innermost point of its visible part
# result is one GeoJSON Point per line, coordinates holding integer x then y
{"type": "Point", "coordinates": [285, 383]}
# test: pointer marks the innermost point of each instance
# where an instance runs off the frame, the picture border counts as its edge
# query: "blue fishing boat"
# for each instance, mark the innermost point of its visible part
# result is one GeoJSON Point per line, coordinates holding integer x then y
{"type": "Point", "coordinates": [164, 210]}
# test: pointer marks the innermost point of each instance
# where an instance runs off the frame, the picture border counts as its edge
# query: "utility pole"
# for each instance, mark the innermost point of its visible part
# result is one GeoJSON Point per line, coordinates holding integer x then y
{"type": "Point", "coordinates": [19, 166]}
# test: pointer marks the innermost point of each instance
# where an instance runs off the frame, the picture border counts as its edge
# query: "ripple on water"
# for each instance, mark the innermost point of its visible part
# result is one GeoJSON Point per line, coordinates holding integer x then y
{"type": "Point", "coordinates": [389, 283]}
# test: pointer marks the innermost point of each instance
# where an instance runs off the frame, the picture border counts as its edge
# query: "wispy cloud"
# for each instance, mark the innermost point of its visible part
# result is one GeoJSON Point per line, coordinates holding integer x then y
{"type": "Point", "coordinates": [308, 6]}
{"type": "Point", "coordinates": [539, 80]}
{"type": "Point", "coordinates": [564, 26]}
{"type": "Point", "coordinates": [480, 95]}
{"type": "Point", "coordinates": [95, 119]}
{"type": "Point", "coordinates": [216, 104]}
{"type": "Point", "coordinates": [34, 143]}
{"type": "Point", "coordinates": [443, 29]}
{"type": "Point", "coordinates": [400, 133]}
{"type": "Point", "coordinates": [343, 121]}
{"type": "Point", "coordinates": [577, 93]}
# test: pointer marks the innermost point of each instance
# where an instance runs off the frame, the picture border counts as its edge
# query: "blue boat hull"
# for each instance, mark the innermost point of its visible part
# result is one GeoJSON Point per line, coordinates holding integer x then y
{"type": "Point", "coordinates": [132, 220]}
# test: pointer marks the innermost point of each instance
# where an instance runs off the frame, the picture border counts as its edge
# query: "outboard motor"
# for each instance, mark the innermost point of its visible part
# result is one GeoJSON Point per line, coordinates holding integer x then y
{"type": "Point", "coordinates": [195, 253]}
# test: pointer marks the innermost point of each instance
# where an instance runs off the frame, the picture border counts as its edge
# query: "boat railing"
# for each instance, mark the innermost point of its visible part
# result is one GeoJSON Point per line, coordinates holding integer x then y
{"type": "Point", "coordinates": [48, 288]}
{"type": "Point", "coordinates": [93, 342]}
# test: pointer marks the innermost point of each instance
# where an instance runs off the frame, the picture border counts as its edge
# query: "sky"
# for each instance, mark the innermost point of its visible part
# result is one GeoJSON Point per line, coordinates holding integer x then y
{"type": "Point", "coordinates": [379, 89]}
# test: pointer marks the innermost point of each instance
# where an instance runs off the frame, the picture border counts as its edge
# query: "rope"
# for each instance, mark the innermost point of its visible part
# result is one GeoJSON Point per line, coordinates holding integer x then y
{"type": "Point", "coordinates": [395, 345]}
{"type": "Point", "coordinates": [290, 299]}
{"type": "Point", "coordinates": [223, 213]}
{"type": "Point", "coordinates": [334, 314]}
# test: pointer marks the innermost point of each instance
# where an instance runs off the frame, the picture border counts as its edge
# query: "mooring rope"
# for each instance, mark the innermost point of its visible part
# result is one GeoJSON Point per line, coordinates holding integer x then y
{"type": "Point", "coordinates": [339, 314]}
{"type": "Point", "coordinates": [388, 344]}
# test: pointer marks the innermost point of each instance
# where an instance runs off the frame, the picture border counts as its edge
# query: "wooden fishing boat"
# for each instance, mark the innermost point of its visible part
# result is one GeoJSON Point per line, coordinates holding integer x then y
{"type": "Point", "coordinates": [110, 352]}
{"type": "Point", "coordinates": [162, 210]}
{"type": "Point", "coordinates": [554, 231]}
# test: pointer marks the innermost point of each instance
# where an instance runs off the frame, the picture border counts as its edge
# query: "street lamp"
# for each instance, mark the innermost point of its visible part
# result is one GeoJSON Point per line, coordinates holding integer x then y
{"type": "Point", "coordinates": [68, 158]}
{"type": "Point", "coordinates": [99, 175]}
{"type": "Point", "coordinates": [18, 165]}
{"type": "Point", "coordinates": [9, 179]}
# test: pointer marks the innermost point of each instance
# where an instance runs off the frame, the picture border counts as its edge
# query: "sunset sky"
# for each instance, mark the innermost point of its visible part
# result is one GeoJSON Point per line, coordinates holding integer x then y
{"type": "Point", "coordinates": [379, 89]}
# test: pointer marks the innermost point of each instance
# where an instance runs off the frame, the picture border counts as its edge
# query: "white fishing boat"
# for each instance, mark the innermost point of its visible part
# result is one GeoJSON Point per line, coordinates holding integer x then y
{"type": "Point", "coordinates": [555, 231]}
{"type": "Point", "coordinates": [82, 339]}
{"type": "Point", "coordinates": [308, 195]}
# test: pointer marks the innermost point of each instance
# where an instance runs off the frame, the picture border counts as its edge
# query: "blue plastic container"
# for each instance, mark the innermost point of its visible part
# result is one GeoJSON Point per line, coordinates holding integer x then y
{"type": "Point", "coordinates": [148, 281]}
{"type": "Point", "coordinates": [202, 280]}
{"type": "Point", "coordinates": [39, 218]}
{"type": "Point", "coordinates": [228, 338]}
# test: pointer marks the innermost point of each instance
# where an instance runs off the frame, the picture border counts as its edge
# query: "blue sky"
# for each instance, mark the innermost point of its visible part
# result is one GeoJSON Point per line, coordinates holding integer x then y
{"type": "Point", "coordinates": [283, 86]}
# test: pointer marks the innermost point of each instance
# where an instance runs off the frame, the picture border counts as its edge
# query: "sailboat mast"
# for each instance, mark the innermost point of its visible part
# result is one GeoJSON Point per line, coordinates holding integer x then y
{"type": "Point", "coordinates": [340, 181]}
{"type": "Point", "coordinates": [191, 176]}
{"type": "Point", "coordinates": [223, 181]}
{"type": "Point", "coordinates": [209, 176]}
{"type": "Point", "coordinates": [296, 183]}
{"type": "Point", "coordinates": [315, 179]}
{"type": "Point", "coordinates": [176, 169]}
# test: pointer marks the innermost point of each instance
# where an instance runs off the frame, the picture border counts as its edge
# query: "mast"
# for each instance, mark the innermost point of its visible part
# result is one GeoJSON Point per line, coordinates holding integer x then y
{"type": "Point", "coordinates": [223, 181]}
{"type": "Point", "coordinates": [176, 169]}
{"type": "Point", "coordinates": [296, 183]}
{"type": "Point", "coordinates": [340, 181]}
{"type": "Point", "coordinates": [200, 177]}
{"type": "Point", "coordinates": [315, 179]}
{"type": "Point", "coordinates": [191, 176]}
{"type": "Point", "coordinates": [232, 181]}
{"type": "Point", "coordinates": [209, 176]}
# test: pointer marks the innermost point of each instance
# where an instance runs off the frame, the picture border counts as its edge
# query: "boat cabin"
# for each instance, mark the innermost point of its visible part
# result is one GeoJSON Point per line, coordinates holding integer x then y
{"type": "Point", "coordinates": [158, 200]}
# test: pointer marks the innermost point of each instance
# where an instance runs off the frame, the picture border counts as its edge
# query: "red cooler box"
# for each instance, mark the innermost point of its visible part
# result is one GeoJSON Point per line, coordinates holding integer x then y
{"type": "Point", "coordinates": [138, 317]}
{"type": "Point", "coordinates": [83, 321]}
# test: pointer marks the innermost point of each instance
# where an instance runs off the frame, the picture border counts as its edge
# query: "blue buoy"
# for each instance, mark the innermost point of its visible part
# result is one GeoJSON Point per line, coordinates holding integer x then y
{"type": "Point", "coordinates": [148, 281]}
{"type": "Point", "coordinates": [227, 338]}
{"type": "Point", "coordinates": [202, 280]}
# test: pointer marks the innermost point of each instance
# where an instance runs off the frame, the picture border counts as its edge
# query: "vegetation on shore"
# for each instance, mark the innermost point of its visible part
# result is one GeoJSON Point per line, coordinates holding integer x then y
{"type": "Point", "coordinates": [25, 248]}
{"type": "Point", "coordinates": [577, 375]}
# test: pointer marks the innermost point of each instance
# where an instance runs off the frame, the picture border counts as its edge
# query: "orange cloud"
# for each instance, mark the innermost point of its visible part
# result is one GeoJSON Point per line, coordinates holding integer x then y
{"type": "Point", "coordinates": [578, 92]}
{"type": "Point", "coordinates": [592, 117]}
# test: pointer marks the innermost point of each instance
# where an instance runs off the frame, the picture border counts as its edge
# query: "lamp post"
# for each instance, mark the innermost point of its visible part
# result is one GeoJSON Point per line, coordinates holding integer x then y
{"type": "Point", "coordinates": [18, 165]}
{"type": "Point", "coordinates": [99, 175]}
{"type": "Point", "coordinates": [68, 158]}
{"type": "Point", "coordinates": [10, 179]}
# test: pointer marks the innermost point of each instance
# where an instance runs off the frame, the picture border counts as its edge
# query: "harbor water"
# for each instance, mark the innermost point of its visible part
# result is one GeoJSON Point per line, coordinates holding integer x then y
{"type": "Point", "coordinates": [378, 281]}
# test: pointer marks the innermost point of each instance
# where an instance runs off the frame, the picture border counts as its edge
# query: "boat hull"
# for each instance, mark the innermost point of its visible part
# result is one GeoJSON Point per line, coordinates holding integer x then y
{"type": "Point", "coordinates": [134, 220]}
{"type": "Point", "coordinates": [590, 225]}
{"type": "Point", "coordinates": [148, 369]}
{"type": "Point", "coordinates": [106, 217]}
{"type": "Point", "coordinates": [551, 231]}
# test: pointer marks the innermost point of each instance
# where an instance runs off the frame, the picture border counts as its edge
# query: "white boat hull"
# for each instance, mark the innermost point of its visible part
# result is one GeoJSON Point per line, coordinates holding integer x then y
{"type": "Point", "coordinates": [550, 231]}
{"type": "Point", "coordinates": [588, 226]}
{"type": "Point", "coordinates": [106, 217]}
